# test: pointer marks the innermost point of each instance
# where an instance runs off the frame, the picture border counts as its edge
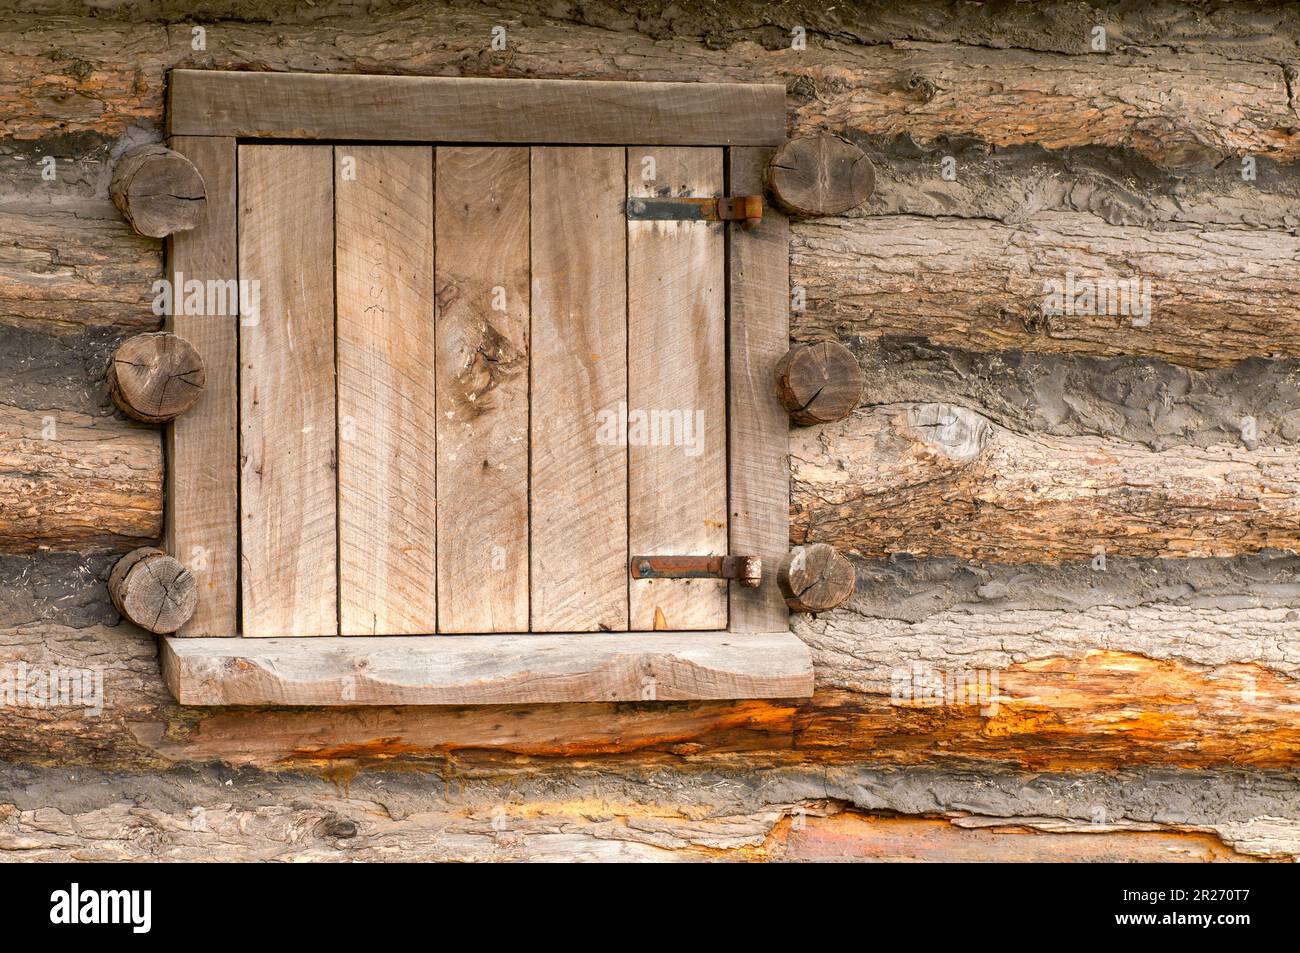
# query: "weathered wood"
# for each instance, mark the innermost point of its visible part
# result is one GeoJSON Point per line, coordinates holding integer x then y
{"type": "Point", "coordinates": [758, 466]}
{"type": "Point", "coordinates": [677, 389]}
{"type": "Point", "coordinates": [153, 590]}
{"type": "Point", "coordinates": [579, 378]}
{"type": "Point", "coordinates": [821, 174]}
{"type": "Point", "coordinates": [1209, 682]}
{"type": "Point", "coordinates": [819, 383]}
{"type": "Point", "coordinates": [155, 377]}
{"type": "Point", "coordinates": [76, 265]}
{"type": "Point", "coordinates": [482, 399]}
{"type": "Point", "coordinates": [443, 109]}
{"type": "Point", "coordinates": [866, 813]}
{"type": "Point", "coordinates": [937, 479]}
{"type": "Point", "coordinates": [202, 485]}
{"type": "Point", "coordinates": [158, 191]}
{"type": "Point", "coordinates": [1159, 103]}
{"type": "Point", "coordinates": [487, 669]}
{"type": "Point", "coordinates": [383, 290]}
{"type": "Point", "coordinates": [72, 482]}
{"type": "Point", "coordinates": [288, 488]}
{"type": "Point", "coordinates": [815, 578]}
{"type": "Point", "coordinates": [1215, 295]}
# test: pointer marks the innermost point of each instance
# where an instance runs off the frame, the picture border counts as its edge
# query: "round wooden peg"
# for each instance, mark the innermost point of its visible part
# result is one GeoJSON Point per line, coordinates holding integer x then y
{"type": "Point", "coordinates": [818, 383]}
{"type": "Point", "coordinates": [153, 590]}
{"type": "Point", "coordinates": [820, 174]}
{"type": "Point", "coordinates": [815, 578]}
{"type": "Point", "coordinates": [158, 191]}
{"type": "Point", "coordinates": [155, 377]}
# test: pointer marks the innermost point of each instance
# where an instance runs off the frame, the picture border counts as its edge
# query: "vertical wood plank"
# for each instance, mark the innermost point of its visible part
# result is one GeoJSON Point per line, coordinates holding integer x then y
{"type": "Point", "coordinates": [579, 377]}
{"type": "Point", "coordinates": [384, 251]}
{"type": "Point", "coordinates": [202, 529]}
{"type": "Point", "coordinates": [759, 461]}
{"type": "Point", "coordinates": [677, 393]}
{"type": "Point", "coordinates": [482, 394]}
{"type": "Point", "coordinates": [287, 402]}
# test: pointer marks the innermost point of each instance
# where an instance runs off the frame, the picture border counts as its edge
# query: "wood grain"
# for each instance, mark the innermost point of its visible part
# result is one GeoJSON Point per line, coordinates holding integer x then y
{"type": "Point", "coordinates": [578, 508]}
{"type": "Point", "coordinates": [482, 396]}
{"type": "Point", "coordinates": [818, 383]}
{"type": "Point", "coordinates": [677, 389]}
{"type": "Point", "coordinates": [941, 480]}
{"type": "Point", "coordinates": [758, 335]}
{"type": "Point", "coordinates": [442, 109]}
{"type": "Point", "coordinates": [487, 669]}
{"type": "Point", "coordinates": [73, 482]}
{"type": "Point", "coordinates": [203, 445]}
{"type": "Point", "coordinates": [1216, 295]}
{"type": "Point", "coordinates": [158, 191]}
{"type": "Point", "coordinates": [153, 590]}
{"type": "Point", "coordinates": [155, 377]}
{"type": "Point", "coordinates": [287, 398]}
{"type": "Point", "coordinates": [383, 262]}
{"type": "Point", "coordinates": [821, 174]}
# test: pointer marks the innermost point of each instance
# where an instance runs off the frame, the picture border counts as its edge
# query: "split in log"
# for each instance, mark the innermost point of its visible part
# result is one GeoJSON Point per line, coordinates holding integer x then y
{"type": "Point", "coordinates": [155, 377]}
{"type": "Point", "coordinates": [821, 174]}
{"type": "Point", "coordinates": [816, 578]}
{"type": "Point", "coordinates": [158, 191]}
{"type": "Point", "coordinates": [819, 383]}
{"type": "Point", "coordinates": [153, 590]}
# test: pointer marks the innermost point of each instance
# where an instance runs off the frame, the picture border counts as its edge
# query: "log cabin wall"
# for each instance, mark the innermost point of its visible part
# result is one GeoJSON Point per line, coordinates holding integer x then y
{"type": "Point", "coordinates": [1074, 506]}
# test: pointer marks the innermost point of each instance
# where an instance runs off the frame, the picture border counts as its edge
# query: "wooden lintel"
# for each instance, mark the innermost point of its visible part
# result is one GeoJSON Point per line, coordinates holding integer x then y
{"type": "Point", "coordinates": [487, 669]}
{"type": "Point", "coordinates": [457, 109]}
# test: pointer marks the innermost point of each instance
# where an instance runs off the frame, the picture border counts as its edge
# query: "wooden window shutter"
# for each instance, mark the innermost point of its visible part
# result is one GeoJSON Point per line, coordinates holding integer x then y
{"type": "Point", "coordinates": [476, 383]}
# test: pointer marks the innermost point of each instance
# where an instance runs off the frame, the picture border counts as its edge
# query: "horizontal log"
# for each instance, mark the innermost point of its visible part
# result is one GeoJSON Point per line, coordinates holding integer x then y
{"type": "Point", "coordinates": [1097, 710]}
{"type": "Point", "coordinates": [1185, 663]}
{"type": "Point", "coordinates": [860, 813]}
{"type": "Point", "coordinates": [941, 480]}
{"type": "Point", "coordinates": [1180, 111]}
{"type": "Point", "coordinates": [75, 265]}
{"type": "Point", "coordinates": [1215, 295]}
{"type": "Point", "coordinates": [69, 481]}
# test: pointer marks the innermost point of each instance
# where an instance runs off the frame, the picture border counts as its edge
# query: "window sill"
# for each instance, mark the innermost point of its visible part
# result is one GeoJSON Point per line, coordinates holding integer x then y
{"type": "Point", "coordinates": [487, 669]}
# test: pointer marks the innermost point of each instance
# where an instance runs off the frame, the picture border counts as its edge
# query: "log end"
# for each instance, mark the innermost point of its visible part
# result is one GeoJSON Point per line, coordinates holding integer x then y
{"type": "Point", "coordinates": [819, 383]}
{"type": "Point", "coordinates": [816, 578]}
{"type": "Point", "coordinates": [158, 191]}
{"type": "Point", "coordinates": [820, 174]}
{"type": "Point", "coordinates": [155, 377]}
{"type": "Point", "coordinates": [153, 590]}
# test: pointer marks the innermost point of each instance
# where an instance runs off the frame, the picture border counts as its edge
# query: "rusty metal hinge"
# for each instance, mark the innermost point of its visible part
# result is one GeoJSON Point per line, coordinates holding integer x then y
{"type": "Point", "coordinates": [747, 570]}
{"type": "Point", "coordinates": [735, 208]}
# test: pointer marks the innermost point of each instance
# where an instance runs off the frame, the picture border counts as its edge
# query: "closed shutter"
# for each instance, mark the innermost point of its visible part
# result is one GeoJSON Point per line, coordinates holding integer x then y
{"type": "Point", "coordinates": [475, 388]}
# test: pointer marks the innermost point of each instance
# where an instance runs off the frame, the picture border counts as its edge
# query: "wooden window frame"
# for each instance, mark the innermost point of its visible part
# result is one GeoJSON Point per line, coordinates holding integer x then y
{"type": "Point", "coordinates": [207, 663]}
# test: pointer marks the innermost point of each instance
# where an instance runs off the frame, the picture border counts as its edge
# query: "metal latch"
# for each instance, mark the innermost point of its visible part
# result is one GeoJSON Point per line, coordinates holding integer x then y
{"type": "Point", "coordinates": [747, 570]}
{"type": "Point", "coordinates": [737, 208]}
